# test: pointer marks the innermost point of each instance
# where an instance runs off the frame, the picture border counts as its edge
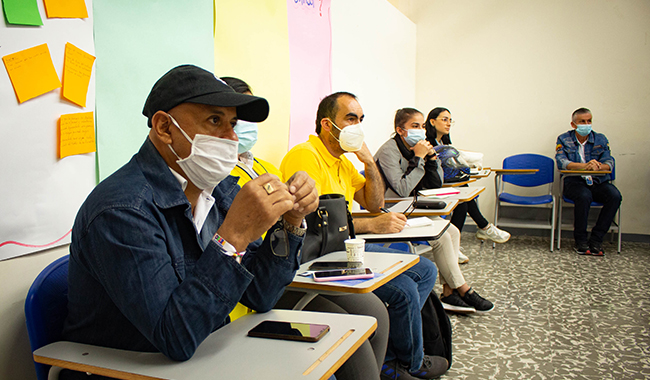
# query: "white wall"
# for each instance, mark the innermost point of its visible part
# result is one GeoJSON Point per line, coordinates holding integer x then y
{"type": "Point", "coordinates": [373, 57]}
{"type": "Point", "coordinates": [16, 276]}
{"type": "Point", "coordinates": [512, 72]}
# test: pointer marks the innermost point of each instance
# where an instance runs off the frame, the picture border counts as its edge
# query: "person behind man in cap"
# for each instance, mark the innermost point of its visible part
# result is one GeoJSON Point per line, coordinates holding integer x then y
{"type": "Point", "coordinates": [163, 249]}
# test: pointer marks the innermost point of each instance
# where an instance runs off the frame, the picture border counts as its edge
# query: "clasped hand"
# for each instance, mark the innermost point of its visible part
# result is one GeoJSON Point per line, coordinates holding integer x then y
{"type": "Point", "coordinates": [260, 203]}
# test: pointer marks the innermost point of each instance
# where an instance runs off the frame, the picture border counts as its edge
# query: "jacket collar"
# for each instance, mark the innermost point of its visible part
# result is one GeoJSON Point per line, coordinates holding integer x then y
{"type": "Point", "coordinates": [406, 152]}
{"type": "Point", "coordinates": [590, 137]}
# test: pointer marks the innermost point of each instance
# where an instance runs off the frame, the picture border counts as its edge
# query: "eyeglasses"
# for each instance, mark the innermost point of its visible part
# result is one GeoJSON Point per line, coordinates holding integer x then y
{"type": "Point", "coordinates": [280, 243]}
{"type": "Point", "coordinates": [447, 120]}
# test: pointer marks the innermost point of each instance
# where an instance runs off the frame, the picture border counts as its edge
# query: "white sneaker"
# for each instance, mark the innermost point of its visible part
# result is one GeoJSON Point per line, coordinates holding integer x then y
{"type": "Point", "coordinates": [492, 233]}
{"type": "Point", "coordinates": [462, 259]}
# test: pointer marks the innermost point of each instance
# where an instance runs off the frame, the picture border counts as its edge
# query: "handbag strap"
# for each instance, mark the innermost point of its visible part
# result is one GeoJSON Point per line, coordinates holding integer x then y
{"type": "Point", "coordinates": [350, 223]}
{"type": "Point", "coordinates": [324, 217]}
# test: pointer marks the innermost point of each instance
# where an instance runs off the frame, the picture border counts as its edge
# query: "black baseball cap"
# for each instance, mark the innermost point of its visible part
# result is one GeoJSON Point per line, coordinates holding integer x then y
{"type": "Point", "coordinates": [192, 84]}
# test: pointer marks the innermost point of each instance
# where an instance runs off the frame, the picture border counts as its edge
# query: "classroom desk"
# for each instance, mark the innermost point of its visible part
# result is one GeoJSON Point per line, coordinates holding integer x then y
{"type": "Point", "coordinates": [456, 184]}
{"type": "Point", "coordinates": [404, 203]}
{"type": "Point", "coordinates": [228, 353]}
{"type": "Point", "coordinates": [584, 172]}
{"type": "Point", "coordinates": [485, 172]}
{"type": "Point", "coordinates": [466, 194]}
{"type": "Point", "coordinates": [390, 265]}
{"type": "Point", "coordinates": [432, 232]}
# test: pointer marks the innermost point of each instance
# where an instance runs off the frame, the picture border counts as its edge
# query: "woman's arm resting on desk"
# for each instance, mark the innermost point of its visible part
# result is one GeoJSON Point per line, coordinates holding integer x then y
{"type": "Point", "coordinates": [388, 223]}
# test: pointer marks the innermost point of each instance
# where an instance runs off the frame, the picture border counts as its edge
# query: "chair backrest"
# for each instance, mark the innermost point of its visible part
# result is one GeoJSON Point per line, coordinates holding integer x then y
{"type": "Point", "coordinates": [46, 307]}
{"type": "Point", "coordinates": [544, 176]}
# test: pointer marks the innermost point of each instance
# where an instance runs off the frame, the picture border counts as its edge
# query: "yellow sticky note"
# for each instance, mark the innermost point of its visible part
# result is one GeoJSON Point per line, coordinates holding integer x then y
{"type": "Point", "coordinates": [77, 68]}
{"type": "Point", "coordinates": [76, 134]}
{"type": "Point", "coordinates": [31, 72]}
{"type": "Point", "coordinates": [65, 8]}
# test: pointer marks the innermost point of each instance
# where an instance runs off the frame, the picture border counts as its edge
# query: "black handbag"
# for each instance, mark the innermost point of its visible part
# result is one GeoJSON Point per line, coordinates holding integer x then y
{"type": "Point", "coordinates": [327, 228]}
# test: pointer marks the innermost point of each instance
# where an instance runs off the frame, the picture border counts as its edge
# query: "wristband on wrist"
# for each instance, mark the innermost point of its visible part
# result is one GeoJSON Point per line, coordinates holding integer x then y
{"type": "Point", "coordinates": [229, 249]}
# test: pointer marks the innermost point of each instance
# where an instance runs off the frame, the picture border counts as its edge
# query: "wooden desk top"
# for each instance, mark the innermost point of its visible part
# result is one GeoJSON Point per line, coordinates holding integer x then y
{"type": "Point", "coordinates": [431, 232]}
{"type": "Point", "coordinates": [515, 171]}
{"type": "Point", "coordinates": [456, 184]}
{"type": "Point", "coordinates": [228, 353]}
{"type": "Point", "coordinates": [388, 264]}
{"type": "Point", "coordinates": [403, 204]}
{"type": "Point", "coordinates": [466, 194]}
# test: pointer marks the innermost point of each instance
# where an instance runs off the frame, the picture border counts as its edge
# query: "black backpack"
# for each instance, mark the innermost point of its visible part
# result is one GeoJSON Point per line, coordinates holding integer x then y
{"type": "Point", "coordinates": [436, 329]}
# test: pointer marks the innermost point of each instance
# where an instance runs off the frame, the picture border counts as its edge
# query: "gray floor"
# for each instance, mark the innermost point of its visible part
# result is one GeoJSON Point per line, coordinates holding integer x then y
{"type": "Point", "coordinates": [557, 316]}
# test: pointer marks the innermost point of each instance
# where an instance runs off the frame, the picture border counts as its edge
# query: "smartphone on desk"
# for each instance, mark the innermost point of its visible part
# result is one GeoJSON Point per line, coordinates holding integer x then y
{"type": "Point", "coordinates": [305, 332]}
{"type": "Point", "coordinates": [324, 265]}
{"type": "Point", "coordinates": [343, 274]}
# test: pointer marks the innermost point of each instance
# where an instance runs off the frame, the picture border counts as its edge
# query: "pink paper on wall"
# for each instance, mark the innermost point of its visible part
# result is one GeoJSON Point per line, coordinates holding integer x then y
{"type": "Point", "coordinates": [310, 59]}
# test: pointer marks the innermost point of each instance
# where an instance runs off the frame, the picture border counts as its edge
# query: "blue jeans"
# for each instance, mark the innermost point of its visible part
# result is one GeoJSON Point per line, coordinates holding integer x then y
{"type": "Point", "coordinates": [405, 295]}
{"type": "Point", "coordinates": [576, 189]}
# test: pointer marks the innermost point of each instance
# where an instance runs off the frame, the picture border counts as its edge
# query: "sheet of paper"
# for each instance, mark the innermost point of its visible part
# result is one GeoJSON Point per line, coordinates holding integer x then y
{"type": "Point", "coordinates": [77, 134]}
{"type": "Point", "coordinates": [65, 8]}
{"type": "Point", "coordinates": [31, 72]}
{"type": "Point", "coordinates": [439, 193]}
{"type": "Point", "coordinates": [419, 222]}
{"type": "Point", "coordinates": [22, 12]}
{"type": "Point", "coordinates": [77, 68]}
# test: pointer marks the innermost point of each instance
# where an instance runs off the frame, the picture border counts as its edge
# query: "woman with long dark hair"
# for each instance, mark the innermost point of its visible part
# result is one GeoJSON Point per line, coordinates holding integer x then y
{"type": "Point", "coordinates": [438, 125]}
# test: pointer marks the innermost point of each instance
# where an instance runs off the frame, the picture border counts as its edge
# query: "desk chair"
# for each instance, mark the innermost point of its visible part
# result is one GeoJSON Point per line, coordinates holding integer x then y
{"type": "Point", "coordinates": [616, 224]}
{"type": "Point", "coordinates": [544, 176]}
{"type": "Point", "coordinates": [46, 307]}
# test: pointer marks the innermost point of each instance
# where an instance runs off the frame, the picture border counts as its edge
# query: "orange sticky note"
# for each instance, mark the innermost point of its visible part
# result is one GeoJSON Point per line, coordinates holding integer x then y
{"type": "Point", "coordinates": [77, 68]}
{"type": "Point", "coordinates": [76, 134]}
{"type": "Point", "coordinates": [65, 8]}
{"type": "Point", "coordinates": [31, 72]}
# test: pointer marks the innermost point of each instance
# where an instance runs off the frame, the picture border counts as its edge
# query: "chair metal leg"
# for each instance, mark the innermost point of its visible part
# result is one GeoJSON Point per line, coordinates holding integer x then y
{"type": "Point", "coordinates": [553, 221]}
{"type": "Point", "coordinates": [559, 223]}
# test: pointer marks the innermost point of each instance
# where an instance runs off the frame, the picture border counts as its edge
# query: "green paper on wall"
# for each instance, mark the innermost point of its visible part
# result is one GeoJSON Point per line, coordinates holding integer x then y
{"type": "Point", "coordinates": [22, 12]}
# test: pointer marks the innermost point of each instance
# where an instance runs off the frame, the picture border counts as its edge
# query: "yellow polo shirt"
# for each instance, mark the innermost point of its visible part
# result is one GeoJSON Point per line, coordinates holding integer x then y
{"type": "Point", "coordinates": [332, 175]}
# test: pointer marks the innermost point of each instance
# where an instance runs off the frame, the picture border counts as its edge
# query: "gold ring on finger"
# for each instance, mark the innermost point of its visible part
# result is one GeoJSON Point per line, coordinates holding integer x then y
{"type": "Point", "coordinates": [268, 187]}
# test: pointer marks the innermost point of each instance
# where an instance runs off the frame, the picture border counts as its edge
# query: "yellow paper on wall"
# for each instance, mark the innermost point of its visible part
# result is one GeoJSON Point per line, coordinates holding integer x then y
{"type": "Point", "coordinates": [76, 134]}
{"type": "Point", "coordinates": [77, 67]}
{"type": "Point", "coordinates": [31, 72]}
{"type": "Point", "coordinates": [65, 8]}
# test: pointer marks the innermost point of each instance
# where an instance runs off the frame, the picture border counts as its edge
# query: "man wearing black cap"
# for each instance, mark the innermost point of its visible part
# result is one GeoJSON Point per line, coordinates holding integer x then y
{"type": "Point", "coordinates": [163, 249]}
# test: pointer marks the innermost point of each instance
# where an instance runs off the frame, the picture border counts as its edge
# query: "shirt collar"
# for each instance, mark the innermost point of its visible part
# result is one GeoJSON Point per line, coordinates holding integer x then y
{"type": "Point", "coordinates": [322, 151]}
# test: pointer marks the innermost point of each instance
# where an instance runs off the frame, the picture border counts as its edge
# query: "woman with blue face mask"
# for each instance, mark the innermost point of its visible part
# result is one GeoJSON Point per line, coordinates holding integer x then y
{"type": "Point", "coordinates": [408, 164]}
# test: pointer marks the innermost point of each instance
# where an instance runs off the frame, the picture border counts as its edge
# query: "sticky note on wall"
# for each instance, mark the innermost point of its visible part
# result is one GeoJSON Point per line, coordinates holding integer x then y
{"type": "Point", "coordinates": [31, 72]}
{"type": "Point", "coordinates": [22, 12]}
{"type": "Point", "coordinates": [77, 67]}
{"type": "Point", "coordinates": [65, 8]}
{"type": "Point", "coordinates": [76, 134]}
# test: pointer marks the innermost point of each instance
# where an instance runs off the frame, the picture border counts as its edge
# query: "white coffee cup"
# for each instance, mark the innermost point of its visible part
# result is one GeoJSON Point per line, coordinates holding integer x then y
{"type": "Point", "coordinates": [355, 249]}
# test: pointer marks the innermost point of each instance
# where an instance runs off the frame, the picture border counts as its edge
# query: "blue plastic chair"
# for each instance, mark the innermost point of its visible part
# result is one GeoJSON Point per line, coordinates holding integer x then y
{"type": "Point", "coordinates": [46, 307]}
{"type": "Point", "coordinates": [616, 225]}
{"type": "Point", "coordinates": [544, 176]}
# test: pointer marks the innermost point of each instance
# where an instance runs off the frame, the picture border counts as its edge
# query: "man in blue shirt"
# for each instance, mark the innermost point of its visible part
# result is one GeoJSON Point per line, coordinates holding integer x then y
{"type": "Point", "coordinates": [584, 149]}
{"type": "Point", "coordinates": [163, 249]}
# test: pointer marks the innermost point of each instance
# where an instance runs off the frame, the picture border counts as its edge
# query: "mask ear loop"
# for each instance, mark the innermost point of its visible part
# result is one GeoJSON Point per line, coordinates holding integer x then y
{"type": "Point", "coordinates": [184, 134]}
{"type": "Point", "coordinates": [334, 125]}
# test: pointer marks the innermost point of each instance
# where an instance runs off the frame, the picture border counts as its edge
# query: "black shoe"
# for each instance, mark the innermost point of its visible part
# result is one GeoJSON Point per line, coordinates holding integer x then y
{"type": "Point", "coordinates": [393, 370]}
{"type": "Point", "coordinates": [432, 367]}
{"type": "Point", "coordinates": [582, 248]}
{"type": "Point", "coordinates": [596, 249]}
{"type": "Point", "coordinates": [479, 303]}
{"type": "Point", "coordinates": [454, 303]}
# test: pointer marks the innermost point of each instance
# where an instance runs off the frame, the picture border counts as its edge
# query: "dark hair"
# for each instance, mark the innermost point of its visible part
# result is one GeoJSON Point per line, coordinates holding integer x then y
{"type": "Point", "coordinates": [237, 84]}
{"type": "Point", "coordinates": [403, 115]}
{"type": "Point", "coordinates": [579, 111]}
{"type": "Point", "coordinates": [328, 107]}
{"type": "Point", "coordinates": [431, 130]}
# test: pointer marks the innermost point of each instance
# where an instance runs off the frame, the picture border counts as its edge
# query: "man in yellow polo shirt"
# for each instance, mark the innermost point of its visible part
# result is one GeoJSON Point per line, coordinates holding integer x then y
{"type": "Point", "coordinates": [338, 125]}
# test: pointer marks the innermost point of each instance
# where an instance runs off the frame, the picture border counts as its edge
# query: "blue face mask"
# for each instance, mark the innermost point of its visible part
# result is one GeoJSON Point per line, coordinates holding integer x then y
{"type": "Point", "coordinates": [583, 129]}
{"type": "Point", "coordinates": [414, 135]}
{"type": "Point", "coordinates": [247, 134]}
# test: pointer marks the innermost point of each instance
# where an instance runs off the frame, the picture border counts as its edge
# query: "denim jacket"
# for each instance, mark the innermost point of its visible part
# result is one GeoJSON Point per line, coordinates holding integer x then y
{"type": "Point", "coordinates": [140, 276]}
{"type": "Point", "coordinates": [567, 150]}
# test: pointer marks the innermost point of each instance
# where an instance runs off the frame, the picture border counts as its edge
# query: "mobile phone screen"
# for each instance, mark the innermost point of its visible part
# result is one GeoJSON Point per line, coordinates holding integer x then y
{"type": "Point", "coordinates": [320, 265]}
{"type": "Point", "coordinates": [343, 274]}
{"type": "Point", "coordinates": [307, 332]}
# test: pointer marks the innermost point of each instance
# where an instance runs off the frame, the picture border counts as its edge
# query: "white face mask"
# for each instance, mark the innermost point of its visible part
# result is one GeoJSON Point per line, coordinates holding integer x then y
{"type": "Point", "coordinates": [350, 138]}
{"type": "Point", "coordinates": [211, 160]}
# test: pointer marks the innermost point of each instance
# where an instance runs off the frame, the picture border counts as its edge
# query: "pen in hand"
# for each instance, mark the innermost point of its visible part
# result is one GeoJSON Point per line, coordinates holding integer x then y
{"type": "Point", "coordinates": [383, 209]}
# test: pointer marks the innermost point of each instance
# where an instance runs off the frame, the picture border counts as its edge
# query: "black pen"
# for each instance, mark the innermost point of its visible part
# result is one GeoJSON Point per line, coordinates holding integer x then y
{"type": "Point", "coordinates": [384, 210]}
